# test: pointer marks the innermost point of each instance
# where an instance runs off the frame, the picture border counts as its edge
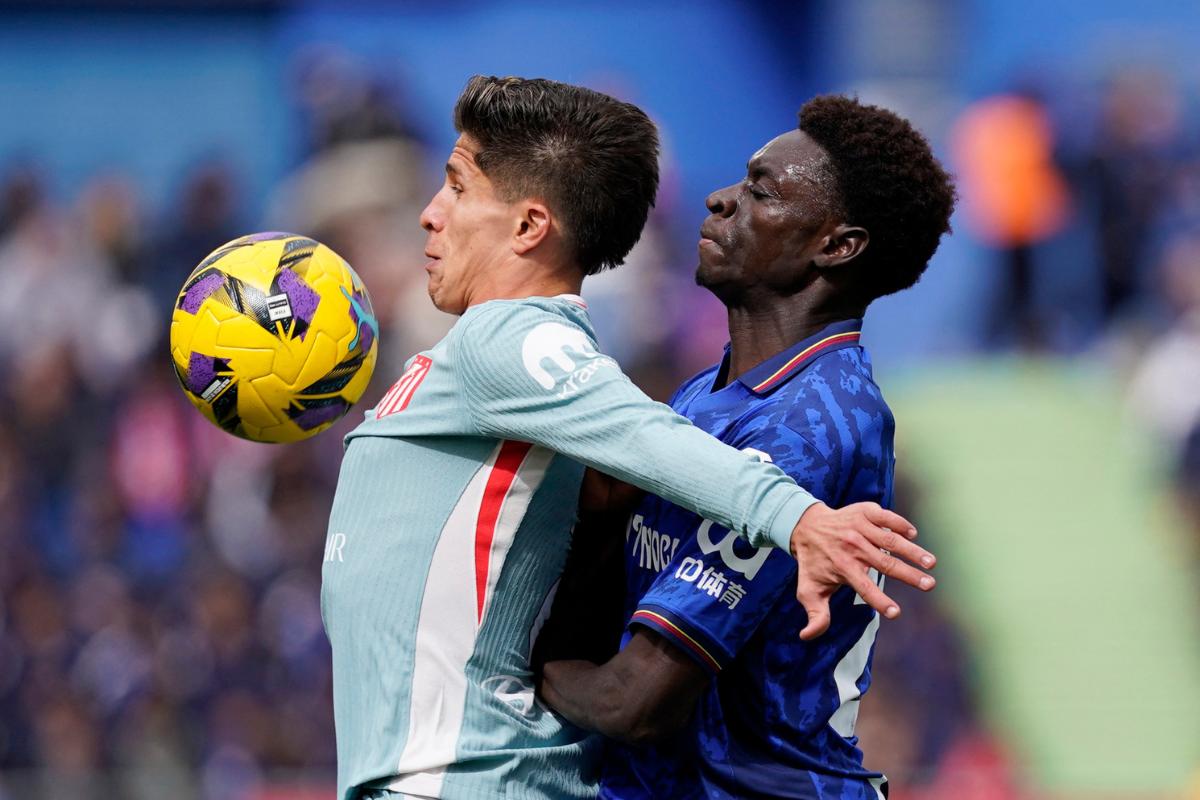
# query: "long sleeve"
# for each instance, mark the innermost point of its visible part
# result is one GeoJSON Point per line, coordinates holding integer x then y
{"type": "Point", "coordinates": [530, 374]}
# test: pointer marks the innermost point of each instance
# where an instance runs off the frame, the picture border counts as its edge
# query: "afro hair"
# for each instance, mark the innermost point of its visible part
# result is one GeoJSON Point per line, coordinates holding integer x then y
{"type": "Point", "coordinates": [888, 182]}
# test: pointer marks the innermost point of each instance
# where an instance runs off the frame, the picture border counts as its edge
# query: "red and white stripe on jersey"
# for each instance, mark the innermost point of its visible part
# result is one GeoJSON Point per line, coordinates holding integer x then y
{"type": "Point", "coordinates": [518, 470]}
{"type": "Point", "coordinates": [402, 390]}
{"type": "Point", "coordinates": [480, 530]}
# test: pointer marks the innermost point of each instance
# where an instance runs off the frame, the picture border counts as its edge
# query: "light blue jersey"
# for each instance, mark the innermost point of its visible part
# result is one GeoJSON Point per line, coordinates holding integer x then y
{"type": "Point", "coordinates": [450, 527]}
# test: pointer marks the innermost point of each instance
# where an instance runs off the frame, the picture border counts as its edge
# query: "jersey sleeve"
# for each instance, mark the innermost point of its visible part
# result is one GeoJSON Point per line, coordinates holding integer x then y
{"type": "Point", "coordinates": [529, 374]}
{"type": "Point", "coordinates": [717, 589]}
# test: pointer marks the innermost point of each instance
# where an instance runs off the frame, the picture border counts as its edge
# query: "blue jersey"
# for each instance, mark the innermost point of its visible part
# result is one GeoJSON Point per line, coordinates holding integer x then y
{"type": "Point", "coordinates": [778, 719]}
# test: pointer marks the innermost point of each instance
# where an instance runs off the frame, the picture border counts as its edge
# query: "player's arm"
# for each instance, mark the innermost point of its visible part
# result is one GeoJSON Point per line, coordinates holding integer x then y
{"type": "Point", "coordinates": [529, 375]}
{"type": "Point", "coordinates": [699, 612]}
{"type": "Point", "coordinates": [588, 615]}
{"type": "Point", "coordinates": [646, 692]}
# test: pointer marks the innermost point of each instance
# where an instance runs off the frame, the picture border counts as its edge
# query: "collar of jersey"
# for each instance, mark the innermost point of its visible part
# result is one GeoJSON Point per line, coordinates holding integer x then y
{"type": "Point", "coordinates": [574, 299]}
{"type": "Point", "coordinates": [780, 368]}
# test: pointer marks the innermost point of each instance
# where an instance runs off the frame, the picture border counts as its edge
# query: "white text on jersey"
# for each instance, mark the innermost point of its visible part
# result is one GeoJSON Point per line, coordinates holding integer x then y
{"type": "Point", "coordinates": [653, 549]}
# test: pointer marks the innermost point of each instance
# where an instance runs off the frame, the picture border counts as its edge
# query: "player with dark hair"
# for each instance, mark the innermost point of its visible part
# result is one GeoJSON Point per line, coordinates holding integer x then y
{"type": "Point", "coordinates": [598, 171]}
{"type": "Point", "coordinates": [712, 691]}
{"type": "Point", "coordinates": [456, 496]}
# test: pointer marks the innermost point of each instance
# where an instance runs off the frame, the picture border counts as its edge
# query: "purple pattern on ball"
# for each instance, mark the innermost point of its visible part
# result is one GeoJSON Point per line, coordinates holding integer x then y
{"type": "Point", "coordinates": [313, 417]}
{"type": "Point", "coordinates": [301, 296]}
{"type": "Point", "coordinates": [201, 290]}
{"type": "Point", "coordinates": [201, 371]}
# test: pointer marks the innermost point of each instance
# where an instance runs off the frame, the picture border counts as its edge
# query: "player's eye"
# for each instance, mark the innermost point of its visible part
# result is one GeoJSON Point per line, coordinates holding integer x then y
{"type": "Point", "coordinates": [756, 191]}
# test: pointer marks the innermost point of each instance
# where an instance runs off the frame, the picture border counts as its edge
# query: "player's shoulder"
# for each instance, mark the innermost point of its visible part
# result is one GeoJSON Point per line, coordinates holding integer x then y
{"type": "Point", "coordinates": [840, 382]}
{"type": "Point", "coordinates": [534, 337]}
{"type": "Point", "coordinates": [832, 405]}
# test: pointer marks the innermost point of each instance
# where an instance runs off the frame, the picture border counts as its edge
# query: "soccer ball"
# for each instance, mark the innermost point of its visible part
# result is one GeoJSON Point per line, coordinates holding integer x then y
{"type": "Point", "coordinates": [273, 337]}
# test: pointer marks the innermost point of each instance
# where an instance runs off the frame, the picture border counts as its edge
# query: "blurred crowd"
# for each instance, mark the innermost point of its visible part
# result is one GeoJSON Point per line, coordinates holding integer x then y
{"type": "Point", "coordinates": [1089, 200]}
{"type": "Point", "coordinates": [159, 579]}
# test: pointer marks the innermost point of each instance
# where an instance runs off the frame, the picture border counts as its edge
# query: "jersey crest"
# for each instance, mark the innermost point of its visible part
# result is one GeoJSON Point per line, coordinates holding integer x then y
{"type": "Point", "coordinates": [398, 397]}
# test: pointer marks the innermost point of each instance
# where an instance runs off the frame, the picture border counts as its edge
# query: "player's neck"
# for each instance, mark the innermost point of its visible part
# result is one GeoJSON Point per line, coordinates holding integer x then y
{"type": "Point", "coordinates": [524, 279]}
{"type": "Point", "coordinates": [760, 331]}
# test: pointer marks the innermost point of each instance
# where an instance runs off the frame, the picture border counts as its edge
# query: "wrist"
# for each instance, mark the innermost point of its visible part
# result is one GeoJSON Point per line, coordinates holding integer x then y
{"type": "Point", "coordinates": [810, 514]}
{"type": "Point", "coordinates": [788, 520]}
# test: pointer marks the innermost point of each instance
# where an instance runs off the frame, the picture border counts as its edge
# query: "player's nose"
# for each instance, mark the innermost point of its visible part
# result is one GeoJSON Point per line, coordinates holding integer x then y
{"type": "Point", "coordinates": [431, 219]}
{"type": "Point", "coordinates": [721, 202]}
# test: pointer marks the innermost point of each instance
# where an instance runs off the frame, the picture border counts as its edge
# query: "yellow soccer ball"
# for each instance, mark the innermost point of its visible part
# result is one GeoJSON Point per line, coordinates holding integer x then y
{"type": "Point", "coordinates": [273, 337]}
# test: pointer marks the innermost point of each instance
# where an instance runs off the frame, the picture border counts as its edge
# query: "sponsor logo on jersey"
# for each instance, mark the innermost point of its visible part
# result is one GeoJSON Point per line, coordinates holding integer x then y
{"type": "Point", "coordinates": [747, 565]}
{"type": "Point", "coordinates": [398, 397]}
{"type": "Point", "coordinates": [334, 546]}
{"type": "Point", "coordinates": [570, 353]}
{"type": "Point", "coordinates": [653, 550]}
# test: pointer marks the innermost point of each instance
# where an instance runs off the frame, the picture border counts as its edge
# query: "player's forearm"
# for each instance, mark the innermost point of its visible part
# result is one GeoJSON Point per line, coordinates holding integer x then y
{"type": "Point", "coordinates": [692, 469]}
{"type": "Point", "coordinates": [613, 427]}
{"type": "Point", "coordinates": [585, 694]}
{"type": "Point", "coordinates": [597, 698]}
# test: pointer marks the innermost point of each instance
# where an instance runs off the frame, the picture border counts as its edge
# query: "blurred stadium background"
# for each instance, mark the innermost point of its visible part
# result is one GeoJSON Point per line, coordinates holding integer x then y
{"type": "Point", "coordinates": [160, 630]}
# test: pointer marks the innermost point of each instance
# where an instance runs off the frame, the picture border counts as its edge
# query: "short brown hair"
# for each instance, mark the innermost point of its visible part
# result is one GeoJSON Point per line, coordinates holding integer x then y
{"type": "Point", "coordinates": [591, 158]}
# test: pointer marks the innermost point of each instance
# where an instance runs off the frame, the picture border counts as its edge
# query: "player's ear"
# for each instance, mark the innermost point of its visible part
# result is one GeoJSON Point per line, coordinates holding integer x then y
{"type": "Point", "coordinates": [841, 245]}
{"type": "Point", "coordinates": [532, 226]}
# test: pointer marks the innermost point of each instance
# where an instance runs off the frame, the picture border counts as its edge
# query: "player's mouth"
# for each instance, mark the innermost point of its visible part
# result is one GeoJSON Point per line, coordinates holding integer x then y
{"type": "Point", "coordinates": [433, 260]}
{"type": "Point", "coordinates": [708, 237]}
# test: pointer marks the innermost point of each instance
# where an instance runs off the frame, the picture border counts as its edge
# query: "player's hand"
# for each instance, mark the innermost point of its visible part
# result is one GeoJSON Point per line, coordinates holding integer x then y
{"type": "Point", "coordinates": [839, 546]}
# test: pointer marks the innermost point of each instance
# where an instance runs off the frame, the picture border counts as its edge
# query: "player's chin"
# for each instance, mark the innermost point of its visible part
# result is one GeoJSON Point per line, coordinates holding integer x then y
{"type": "Point", "coordinates": [445, 300]}
{"type": "Point", "coordinates": [436, 293]}
{"type": "Point", "coordinates": [710, 271]}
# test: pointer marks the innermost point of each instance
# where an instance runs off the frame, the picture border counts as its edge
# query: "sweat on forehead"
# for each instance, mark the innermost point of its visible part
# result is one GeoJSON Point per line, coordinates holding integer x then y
{"type": "Point", "coordinates": [818, 171]}
{"type": "Point", "coordinates": [799, 158]}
